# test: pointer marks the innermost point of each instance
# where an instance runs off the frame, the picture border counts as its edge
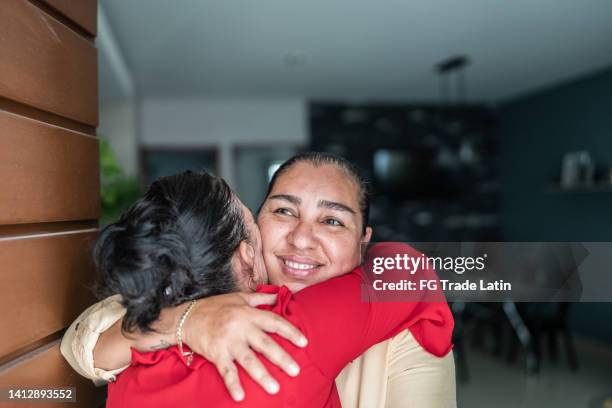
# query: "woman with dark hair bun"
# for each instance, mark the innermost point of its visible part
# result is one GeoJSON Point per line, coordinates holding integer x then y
{"type": "Point", "coordinates": [190, 237]}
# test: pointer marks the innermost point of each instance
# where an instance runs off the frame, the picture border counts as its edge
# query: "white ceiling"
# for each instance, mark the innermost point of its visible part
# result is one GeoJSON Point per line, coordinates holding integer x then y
{"type": "Point", "coordinates": [341, 49]}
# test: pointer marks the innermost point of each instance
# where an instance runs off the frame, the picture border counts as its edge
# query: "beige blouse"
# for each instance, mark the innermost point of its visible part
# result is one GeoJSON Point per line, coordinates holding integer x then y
{"type": "Point", "coordinates": [395, 373]}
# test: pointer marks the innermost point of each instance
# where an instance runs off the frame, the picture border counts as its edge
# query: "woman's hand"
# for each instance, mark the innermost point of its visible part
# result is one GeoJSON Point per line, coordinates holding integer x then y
{"type": "Point", "coordinates": [228, 328]}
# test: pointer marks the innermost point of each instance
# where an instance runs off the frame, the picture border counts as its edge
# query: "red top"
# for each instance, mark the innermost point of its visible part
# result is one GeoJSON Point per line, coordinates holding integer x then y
{"type": "Point", "coordinates": [339, 325]}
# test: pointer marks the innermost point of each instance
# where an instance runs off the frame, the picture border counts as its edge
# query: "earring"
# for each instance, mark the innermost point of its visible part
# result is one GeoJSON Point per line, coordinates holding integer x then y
{"type": "Point", "coordinates": [251, 283]}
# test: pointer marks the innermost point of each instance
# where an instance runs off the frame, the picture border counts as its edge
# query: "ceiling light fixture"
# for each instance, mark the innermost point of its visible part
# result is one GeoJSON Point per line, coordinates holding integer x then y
{"type": "Point", "coordinates": [453, 65]}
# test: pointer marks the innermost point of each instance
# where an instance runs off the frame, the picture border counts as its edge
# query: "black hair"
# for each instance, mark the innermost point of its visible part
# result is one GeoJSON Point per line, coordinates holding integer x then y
{"type": "Point", "coordinates": [174, 244]}
{"type": "Point", "coordinates": [323, 158]}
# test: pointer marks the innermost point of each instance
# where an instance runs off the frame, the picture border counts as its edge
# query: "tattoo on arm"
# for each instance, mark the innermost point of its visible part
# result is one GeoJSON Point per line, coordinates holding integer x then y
{"type": "Point", "coordinates": [163, 344]}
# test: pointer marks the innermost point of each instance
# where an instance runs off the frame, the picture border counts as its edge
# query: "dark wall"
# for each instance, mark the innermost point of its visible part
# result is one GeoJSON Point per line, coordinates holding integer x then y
{"type": "Point", "coordinates": [535, 132]}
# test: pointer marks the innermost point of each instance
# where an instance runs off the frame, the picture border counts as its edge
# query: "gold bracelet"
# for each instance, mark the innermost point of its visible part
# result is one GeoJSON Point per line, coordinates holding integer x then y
{"type": "Point", "coordinates": [179, 333]}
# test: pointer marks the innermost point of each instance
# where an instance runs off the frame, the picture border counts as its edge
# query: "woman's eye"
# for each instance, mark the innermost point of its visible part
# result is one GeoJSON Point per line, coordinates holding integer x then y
{"type": "Point", "coordinates": [283, 211]}
{"type": "Point", "coordinates": [334, 222]}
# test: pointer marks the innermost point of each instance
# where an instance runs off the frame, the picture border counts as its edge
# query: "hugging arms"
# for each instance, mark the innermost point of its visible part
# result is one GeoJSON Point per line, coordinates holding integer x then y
{"type": "Point", "coordinates": [313, 227]}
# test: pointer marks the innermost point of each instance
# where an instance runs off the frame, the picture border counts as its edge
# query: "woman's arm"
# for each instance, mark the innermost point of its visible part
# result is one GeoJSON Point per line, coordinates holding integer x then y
{"type": "Point", "coordinates": [95, 346]}
{"type": "Point", "coordinates": [417, 378]}
{"type": "Point", "coordinates": [224, 329]}
{"type": "Point", "coordinates": [113, 348]}
{"type": "Point", "coordinates": [80, 338]}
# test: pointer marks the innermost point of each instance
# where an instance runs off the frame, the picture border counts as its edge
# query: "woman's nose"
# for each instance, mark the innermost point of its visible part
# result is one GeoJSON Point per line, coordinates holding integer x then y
{"type": "Point", "coordinates": [302, 236]}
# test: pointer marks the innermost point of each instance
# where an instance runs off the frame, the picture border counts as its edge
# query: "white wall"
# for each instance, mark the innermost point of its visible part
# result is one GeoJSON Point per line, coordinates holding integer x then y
{"type": "Point", "coordinates": [252, 165]}
{"type": "Point", "coordinates": [117, 100]}
{"type": "Point", "coordinates": [118, 125]}
{"type": "Point", "coordinates": [223, 123]}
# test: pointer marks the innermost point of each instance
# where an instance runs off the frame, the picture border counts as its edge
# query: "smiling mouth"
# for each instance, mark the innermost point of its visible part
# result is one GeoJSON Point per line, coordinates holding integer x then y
{"type": "Point", "coordinates": [299, 269]}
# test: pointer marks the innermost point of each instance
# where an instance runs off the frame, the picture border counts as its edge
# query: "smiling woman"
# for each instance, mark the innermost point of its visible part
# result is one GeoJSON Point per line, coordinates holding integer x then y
{"type": "Point", "coordinates": [312, 221]}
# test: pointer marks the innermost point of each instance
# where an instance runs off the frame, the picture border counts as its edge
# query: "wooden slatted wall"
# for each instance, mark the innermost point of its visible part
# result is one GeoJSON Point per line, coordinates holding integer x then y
{"type": "Point", "coordinates": [49, 187]}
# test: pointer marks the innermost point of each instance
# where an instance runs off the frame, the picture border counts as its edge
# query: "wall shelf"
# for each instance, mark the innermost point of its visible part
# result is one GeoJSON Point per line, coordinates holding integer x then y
{"type": "Point", "coordinates": [602, 187]}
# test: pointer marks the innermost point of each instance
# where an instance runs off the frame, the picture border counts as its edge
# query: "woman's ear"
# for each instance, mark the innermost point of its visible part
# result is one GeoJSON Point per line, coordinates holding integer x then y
{"type": "Point", "coordinates": [243, 265]}
{"type": "Point", "coordinates": [365, 240]}
{"type": "Point", "coordinates": [247, 254]}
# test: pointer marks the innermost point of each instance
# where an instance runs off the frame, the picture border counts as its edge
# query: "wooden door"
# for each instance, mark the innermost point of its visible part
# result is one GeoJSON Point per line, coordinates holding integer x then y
{"type": "Point", "coordinates": [49, 188]}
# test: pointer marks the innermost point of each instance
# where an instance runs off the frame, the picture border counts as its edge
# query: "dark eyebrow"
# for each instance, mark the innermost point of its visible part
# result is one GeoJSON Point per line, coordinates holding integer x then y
{"type": "Point", "coordinates": [332, 205]}
{"type": "Point", "coordinates": [287, 197]}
